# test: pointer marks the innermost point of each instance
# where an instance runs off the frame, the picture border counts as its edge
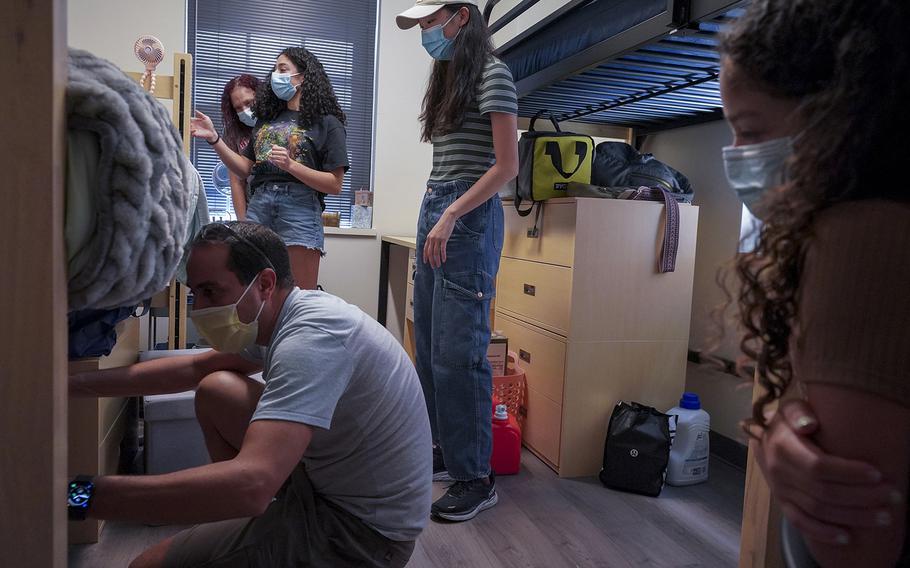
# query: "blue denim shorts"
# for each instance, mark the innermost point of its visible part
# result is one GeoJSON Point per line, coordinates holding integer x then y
{"type": "Point", "coordinates": [292, 210]}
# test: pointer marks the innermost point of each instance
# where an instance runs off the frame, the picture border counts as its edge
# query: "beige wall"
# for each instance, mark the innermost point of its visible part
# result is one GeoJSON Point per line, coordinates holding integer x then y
{"type": "Point", "coordinates": [109, 28]}
{"type": "Point", "coordinates": [696, 151]}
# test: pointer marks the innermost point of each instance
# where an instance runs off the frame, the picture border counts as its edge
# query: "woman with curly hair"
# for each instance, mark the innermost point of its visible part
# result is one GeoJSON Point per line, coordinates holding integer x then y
{"type": "Point", "coordinates": [237, 115]}
{"type": "Point", "coordinates": [469, 116]}
{"type": "Point", "coordinates": [296, 156]}
{"type": "Point", "coordinates": [816, 95]}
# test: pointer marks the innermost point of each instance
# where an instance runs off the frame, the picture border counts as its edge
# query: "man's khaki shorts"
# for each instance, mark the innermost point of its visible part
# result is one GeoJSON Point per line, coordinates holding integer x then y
{"type": "Point", "coordinates": [299, 528]}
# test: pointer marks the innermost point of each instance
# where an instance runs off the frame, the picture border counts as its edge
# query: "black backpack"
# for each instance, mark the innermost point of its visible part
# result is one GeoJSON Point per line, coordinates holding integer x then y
{"type": "Point", "coordinates": [637, 449]}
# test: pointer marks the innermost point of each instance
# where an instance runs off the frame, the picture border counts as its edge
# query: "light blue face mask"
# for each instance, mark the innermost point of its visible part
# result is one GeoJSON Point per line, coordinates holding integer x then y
{"type": "Point", "coordinates": [436, 43]}
{"type": "Point", "coordinates": [282, 86]}
{"type": "Point", "coordinates": [754, 169]}
{"type": "Point", "coordinates": [246, 117]}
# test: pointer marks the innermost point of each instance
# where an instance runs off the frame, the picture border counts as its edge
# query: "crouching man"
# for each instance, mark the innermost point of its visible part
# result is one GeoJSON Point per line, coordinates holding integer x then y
{"type": "Point", "coordinates": [326, 464]}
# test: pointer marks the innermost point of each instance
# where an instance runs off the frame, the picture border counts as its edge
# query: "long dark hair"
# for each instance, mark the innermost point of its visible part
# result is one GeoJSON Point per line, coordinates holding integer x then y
{"type": "Point", "coordinates": [317, 97]}
{"type": "Point", "coordinates": [452, 88]}
{"type": "Point", "coordinates": [847, 65]}
{"type": "Point", "coordinates": [236, 133]}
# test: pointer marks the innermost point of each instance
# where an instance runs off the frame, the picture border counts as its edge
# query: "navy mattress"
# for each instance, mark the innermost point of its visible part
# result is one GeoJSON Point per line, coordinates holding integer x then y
{"type": "Point", "coordinates": [577, 30]}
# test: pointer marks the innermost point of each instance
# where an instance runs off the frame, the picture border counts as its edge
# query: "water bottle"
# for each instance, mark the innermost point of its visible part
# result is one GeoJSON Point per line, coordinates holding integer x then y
{"type": "Point", "coordinates": [506, 458]}
{"type": "Point", "coordinates": [690, 450]}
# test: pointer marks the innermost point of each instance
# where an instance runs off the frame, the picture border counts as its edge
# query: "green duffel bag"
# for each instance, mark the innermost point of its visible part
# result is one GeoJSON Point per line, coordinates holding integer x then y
{"type": "Point", "coordinates": [548, 161]}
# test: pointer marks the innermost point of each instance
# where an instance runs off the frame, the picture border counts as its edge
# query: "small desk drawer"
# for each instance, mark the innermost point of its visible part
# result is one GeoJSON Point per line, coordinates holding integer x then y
{"type": "Point", "coordinates": [555, 242]}
{"type": "Point", "coordinates": [541, 354]}
{"type": "Point", "coordinates": [409, 304]}
{"type": "Point", "coordinates": [543, 426]}
{"type": "Point", "coordinates": [539, 292]}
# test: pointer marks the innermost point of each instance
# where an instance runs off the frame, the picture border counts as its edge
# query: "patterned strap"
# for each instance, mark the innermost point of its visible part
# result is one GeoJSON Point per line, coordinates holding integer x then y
{"type": "Point", "coordinates": [671, 234]}
{"type": "Point", "coordinates": [670, 248]}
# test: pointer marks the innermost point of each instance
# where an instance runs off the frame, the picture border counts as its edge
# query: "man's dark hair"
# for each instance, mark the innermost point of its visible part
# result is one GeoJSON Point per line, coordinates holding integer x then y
{"type": "Point", "coordinates": [251, 249]}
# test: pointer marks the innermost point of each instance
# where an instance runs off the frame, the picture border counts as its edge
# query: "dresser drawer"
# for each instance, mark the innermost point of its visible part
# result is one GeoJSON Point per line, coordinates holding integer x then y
{"type": "Point", "coordinates": [541, 354]}
{"type": "Point", "coordinates": [543, 426]}
{"type": "Point", "coordinates": [555, 243]}
{"type": "Point", "coordinates": [539, 293]}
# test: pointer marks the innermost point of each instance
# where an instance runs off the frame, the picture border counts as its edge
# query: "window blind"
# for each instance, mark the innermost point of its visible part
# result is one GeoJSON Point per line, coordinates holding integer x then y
{"type": "Point", "coordinates": [230, 37]}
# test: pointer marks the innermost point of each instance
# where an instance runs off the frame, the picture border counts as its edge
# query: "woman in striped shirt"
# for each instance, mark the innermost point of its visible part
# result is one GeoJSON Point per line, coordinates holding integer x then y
{"type": "Point", "coordinates": [469, 115]}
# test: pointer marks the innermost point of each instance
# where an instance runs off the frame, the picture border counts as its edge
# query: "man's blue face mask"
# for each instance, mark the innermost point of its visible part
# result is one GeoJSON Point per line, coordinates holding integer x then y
{"type": "Point", "coordinates": [436, 43]}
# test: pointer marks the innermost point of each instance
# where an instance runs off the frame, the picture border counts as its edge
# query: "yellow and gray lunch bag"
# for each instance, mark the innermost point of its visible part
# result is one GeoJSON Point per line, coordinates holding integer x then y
{"type": "Point", "coordinates": [548, 161]}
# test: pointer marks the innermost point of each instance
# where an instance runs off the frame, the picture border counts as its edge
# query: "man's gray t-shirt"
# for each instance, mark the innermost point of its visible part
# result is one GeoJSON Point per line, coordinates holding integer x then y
{"type": "Point", "coordinates": [334, 368]}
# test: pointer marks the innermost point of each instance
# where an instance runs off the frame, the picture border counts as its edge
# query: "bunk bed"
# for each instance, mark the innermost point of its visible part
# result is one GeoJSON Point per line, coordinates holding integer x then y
{"type": "Point", "coordinates": [648, 65]}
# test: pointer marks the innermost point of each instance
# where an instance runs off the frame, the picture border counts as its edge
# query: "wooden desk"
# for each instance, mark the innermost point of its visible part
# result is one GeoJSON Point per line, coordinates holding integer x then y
{"type": "Point", "coordinates": [397, 262]}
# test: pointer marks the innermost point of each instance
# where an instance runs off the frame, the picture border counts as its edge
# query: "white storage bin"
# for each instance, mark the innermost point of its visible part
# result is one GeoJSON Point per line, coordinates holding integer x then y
{"type": "Point", "coordinates": [173, 438]}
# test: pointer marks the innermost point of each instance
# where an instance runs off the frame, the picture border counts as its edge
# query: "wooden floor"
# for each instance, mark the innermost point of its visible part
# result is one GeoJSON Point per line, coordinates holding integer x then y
{"type": "Point", "coordinates": [543, 521]}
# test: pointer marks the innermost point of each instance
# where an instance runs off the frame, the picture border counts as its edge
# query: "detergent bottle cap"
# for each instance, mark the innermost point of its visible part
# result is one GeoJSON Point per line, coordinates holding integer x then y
{"type": "Point", "coordinates": [690, 401]}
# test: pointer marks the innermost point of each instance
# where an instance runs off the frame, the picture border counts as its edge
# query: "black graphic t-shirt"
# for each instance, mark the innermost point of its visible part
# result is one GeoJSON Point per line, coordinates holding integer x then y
{"type": "Point", "coordinates": [325, 137]}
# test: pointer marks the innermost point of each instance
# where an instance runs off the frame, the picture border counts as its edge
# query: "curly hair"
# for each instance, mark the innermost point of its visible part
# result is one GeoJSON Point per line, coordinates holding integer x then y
{"type": "Point", "coordinates": [236, 133]}
{"type": "Point", "coordinates": [317, 98]}
{"type": "Point", "coordinates": [847, 65]}
{"type": "Point", "coordinates": [452, 88]}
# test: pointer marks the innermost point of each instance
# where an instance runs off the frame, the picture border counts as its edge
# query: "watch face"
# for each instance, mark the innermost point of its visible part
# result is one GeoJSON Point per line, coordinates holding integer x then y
{"type": "Point", "coordinates": [79, 494]}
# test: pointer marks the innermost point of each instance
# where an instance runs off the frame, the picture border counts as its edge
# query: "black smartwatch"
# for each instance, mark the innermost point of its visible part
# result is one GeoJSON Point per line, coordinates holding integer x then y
{"type": "Point", "coordinates": [79, 497]}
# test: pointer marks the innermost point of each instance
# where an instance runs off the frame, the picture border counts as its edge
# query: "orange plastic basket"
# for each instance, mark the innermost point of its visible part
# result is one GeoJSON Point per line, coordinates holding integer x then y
{"type": "Point", "coordinates": [511, 388]}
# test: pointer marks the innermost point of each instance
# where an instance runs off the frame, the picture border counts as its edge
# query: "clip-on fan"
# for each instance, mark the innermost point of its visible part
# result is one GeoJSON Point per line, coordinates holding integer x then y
{"type": "Point", "coordinates": [150, 52]}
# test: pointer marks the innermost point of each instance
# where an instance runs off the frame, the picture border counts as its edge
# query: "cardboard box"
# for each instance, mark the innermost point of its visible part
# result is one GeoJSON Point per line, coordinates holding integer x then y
{"type": "Point", "coordinates": [497, 353]}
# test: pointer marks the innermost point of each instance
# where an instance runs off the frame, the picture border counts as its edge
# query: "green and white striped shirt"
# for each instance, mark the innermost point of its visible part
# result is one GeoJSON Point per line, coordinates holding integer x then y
{"type": "Point", "coordinates": [467, 153]}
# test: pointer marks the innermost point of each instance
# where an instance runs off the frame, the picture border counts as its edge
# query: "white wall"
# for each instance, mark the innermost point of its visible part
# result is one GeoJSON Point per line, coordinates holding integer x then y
{"type": "Point", "coordinates": [696, 151]}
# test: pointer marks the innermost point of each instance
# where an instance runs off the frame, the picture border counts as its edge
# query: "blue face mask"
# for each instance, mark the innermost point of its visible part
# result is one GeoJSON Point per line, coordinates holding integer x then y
{"type": "Point", "coordinates": [282, 86]}
{"type": "Point", "coordinates": [436, 43]}
{"type": "Point", "coordinates": [754, 169]}
{"type": "Point", "coordinates": [246, 117]}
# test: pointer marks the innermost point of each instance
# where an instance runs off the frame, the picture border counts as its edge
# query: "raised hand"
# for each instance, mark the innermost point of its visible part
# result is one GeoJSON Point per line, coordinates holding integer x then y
{"type": "Point", "coordinates": [201, 127]}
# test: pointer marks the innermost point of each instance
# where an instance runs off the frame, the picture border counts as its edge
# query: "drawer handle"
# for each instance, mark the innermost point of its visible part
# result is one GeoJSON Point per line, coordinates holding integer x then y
{"type": "Point", "coordinates": [414, 274]}
{"type": "Point", "coordinates": [530, 290]}
{"type": "Point", "coordinates": [524, 356]}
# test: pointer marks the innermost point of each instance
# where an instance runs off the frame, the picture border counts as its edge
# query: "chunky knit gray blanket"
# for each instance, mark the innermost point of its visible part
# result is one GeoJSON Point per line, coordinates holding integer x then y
{"type": "Point", "coordinates": [143, 194]}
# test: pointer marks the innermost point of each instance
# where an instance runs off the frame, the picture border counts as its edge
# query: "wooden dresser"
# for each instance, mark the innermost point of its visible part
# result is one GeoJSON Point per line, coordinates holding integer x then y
{"type": "Point", "coordinates": [592, 320]}
{"type": "Point", "coordinates": [96, 425]}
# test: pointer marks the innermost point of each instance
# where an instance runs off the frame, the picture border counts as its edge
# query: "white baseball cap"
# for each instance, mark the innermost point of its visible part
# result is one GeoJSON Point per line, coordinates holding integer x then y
{"type": "Point", "coordinates": [422, 9]}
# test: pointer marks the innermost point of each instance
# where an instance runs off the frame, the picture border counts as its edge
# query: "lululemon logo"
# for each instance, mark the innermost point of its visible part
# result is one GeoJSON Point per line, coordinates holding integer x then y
{"type": "Point", "coordinates": [634, 453]}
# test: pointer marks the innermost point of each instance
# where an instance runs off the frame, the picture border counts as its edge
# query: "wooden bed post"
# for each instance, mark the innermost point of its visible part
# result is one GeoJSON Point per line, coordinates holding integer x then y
{"type": "Point", "coordinates": [33, 286]}
{"type": "Point", "coordinates": [760, 537]}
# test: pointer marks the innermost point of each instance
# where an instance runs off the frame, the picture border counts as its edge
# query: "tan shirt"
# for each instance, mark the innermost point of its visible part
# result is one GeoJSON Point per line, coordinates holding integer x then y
{"type": "Point", "coordinates": [854, 314]}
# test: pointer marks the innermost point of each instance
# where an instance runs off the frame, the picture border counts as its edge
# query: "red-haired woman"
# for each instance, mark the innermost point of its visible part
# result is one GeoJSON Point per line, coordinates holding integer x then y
{"type": "Point", "coordinates": [236, 104]}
